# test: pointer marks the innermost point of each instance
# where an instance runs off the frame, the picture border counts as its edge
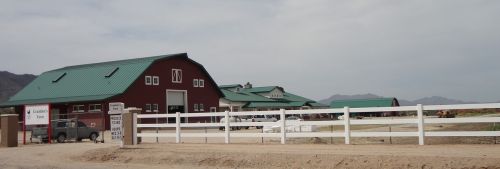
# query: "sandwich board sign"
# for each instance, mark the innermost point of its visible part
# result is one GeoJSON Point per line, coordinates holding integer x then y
{"type": "Point", "coordinates": [116, 121]}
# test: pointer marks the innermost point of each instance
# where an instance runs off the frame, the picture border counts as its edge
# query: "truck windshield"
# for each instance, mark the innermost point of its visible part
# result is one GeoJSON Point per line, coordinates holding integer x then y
{"type": "Point", "coordinates": [61, 124]}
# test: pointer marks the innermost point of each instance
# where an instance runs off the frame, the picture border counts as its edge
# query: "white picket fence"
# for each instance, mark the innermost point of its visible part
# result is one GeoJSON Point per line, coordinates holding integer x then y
{"type": "Point", "coordinates": [420, 120]}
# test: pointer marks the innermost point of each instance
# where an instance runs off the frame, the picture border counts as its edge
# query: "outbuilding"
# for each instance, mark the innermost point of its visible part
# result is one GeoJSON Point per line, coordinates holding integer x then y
{"type": "Point", "coordinates": [158, 84]}
{"type": "Point", "coordinates": [249, 98]}
{"type": "Point", "coordinates": [362, 103]}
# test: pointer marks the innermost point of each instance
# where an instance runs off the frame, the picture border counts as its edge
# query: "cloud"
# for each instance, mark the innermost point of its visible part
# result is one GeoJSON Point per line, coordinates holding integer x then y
{"type": "Point", "coordinates": [407, 49]}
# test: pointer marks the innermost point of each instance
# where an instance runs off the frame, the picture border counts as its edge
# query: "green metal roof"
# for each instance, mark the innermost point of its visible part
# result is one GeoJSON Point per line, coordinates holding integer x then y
{"type": "Point", "coordinates": [318, 105]}
{"type": "Point", "coordinates": [57, 100]}
{"type": "Point", "coordinates": [293, 97]}
{"type": "Point", "coordinates": [358, 103]}
{"type": "Point", "coordinates": [260, 89]}
{"type": "Point", "coordinates": [297, 104]}
{"type": "Point", "coordinates": [229, 86]}
{"type": "Point", "coordinates": [257, 101]}
{"type": "Point", "coordinates": [268, 105]}
{"type": "Point", "coordinates": [244, 96]}
{"type": "Point", "coordinates": [84, 82]}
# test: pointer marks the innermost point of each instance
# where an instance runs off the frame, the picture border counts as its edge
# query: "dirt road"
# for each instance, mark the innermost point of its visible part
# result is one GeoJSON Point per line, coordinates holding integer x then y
{"type": "Point", "coordinates": [90, 155]}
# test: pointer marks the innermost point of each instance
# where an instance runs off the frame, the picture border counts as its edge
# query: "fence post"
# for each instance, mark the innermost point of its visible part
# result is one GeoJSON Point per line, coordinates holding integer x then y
{"type": "Point", "coordinates": [134, 129]}
{"type": "Point", "coordinates": [283, 126]}
{"type": "Point", "coordinates": [347, 126]}
{"type": "Point", "coordinates": [177, 127]}
{"type": "Point", "coordinates": [226, 126]}
{"type": "Point", "coordinates": [421, 132]}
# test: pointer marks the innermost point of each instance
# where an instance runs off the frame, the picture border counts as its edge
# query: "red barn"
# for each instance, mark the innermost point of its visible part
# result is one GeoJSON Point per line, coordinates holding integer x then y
{"type": "Point", "coordinates": [159, 84]}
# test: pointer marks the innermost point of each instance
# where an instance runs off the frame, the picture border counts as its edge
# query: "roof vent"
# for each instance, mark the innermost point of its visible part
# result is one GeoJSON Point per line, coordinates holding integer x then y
{"type": "Point", "coordinates": [112, 72]}
{"type": "Point", "coordinates": [59, 78]}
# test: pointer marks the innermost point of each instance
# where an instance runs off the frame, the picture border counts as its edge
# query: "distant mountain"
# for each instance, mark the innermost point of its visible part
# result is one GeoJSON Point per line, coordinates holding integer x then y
{"type": "Point", "coordinates": [348, 97]}
{"type": "Point", "coordinates": [434, 100]}
{"type": "Point", "coordinates": [438, 100]}
{"type": "Point", "coordinates": [11, 83]}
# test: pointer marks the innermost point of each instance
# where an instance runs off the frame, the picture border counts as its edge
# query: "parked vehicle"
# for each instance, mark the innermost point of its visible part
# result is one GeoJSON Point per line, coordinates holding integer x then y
{"type": "Point", "coordinates": [246, 119]}
{"type": "Point", "coordinates": [292, 125]}
{"type": "Point", "coordinates": [63, 130]}
{"type": "Point", "coordinates": [263, 118]}
{"type": "Point", "coordinates": [446, 114]}
{"type": "Point", "coordinates": [293, 118]}
{"type": "Point", "coordinates": [231, 120]}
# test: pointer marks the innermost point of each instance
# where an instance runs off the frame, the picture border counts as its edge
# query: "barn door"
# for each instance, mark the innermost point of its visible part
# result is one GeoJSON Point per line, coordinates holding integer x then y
{"type": "Point", "coordinates": [176, 102]}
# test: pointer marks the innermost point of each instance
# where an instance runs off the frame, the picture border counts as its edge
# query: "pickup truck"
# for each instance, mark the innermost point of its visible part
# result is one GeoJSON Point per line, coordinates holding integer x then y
{"type": "Point", "coordinates": [235, 119]}
{"type": "Point", "coordinates": [63, 130]}
{"type": "Point", "coordinates": [263, 118]}
{"type": "Point", "coordinates": [292, 125]}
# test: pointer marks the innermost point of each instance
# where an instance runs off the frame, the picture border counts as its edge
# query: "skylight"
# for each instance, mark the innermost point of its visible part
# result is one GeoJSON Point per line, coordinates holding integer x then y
{"type": "Point", "coordinates": [112, 72]}
{"type": "Point", "coordinates": [59, 78]}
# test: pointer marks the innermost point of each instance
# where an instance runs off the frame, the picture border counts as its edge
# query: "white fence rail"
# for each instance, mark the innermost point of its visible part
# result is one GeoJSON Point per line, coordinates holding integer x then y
{"type": "Point", "coordinates": [346, 122]}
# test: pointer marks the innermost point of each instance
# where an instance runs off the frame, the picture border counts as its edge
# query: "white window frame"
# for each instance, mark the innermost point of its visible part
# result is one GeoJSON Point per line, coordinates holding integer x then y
{"type": "Point", "coordinates": [94, 107]}
{"type": "Point", "coordinates": [201, 83]}
{"type": "Point", "coordinates": [196, 107]}
{"type": "Point", "coordinates": [79, 110]}
{"type": "Point", "coordinates": [148, 108]}
{"type": "Point", "coordinates": [195, 82]}
{"type": "Point", "coordinates": [157, 82]}
{"type": "Point", "coordinates": [155, 108]}
{"type": "Point", "coordinates": [201, 107]}
{"type": "Point", "coordinates": [148, 80]}
{"type": "Point", "coordinates": [176, 75]}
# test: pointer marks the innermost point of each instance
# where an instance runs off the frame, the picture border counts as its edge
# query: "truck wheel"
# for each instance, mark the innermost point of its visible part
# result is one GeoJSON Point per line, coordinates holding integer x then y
{"type": "Point", "coordinates": [258, 127]}
{"type": "Point", "coordinates": [247, 127]}
{"type": "Point", "coordinates": [93, 137]}
{"type": "Point", "coordinates": [61, 138]}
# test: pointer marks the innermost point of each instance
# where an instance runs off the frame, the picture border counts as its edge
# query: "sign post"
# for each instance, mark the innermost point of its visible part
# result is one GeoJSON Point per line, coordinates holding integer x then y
{"type": "Point", "coordinates": [37, 115]}
{"type": "Point", "coordinates": [116, 121]}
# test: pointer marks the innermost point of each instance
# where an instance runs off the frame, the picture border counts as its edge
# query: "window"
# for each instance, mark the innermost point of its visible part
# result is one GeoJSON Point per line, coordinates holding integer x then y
{"type": "Point", "coordinates": [156, 80]}
{"type": "Point", "coordinates": [195, 107]}
{"type": "Point", "coordinates": [78, 108]}
{"type": "Point", "coordinates": [148, 107]}
{"type": "Point", "coordinates": [95, 107]}
{"type": "Point", "coordinates": [201, 83]}
{"type": "Point", "coordinates": [195, 82]}
{"type": "Point", "coordinates": [62, 124]}
{"type": "Point", "coordinates": [176, 76]}
{"type": "Point", "coordinates": [148, 80]}
{"type": "Point", "coordinates": [155, 107]}
{"type": "Point", "coordinates": [201, 107]}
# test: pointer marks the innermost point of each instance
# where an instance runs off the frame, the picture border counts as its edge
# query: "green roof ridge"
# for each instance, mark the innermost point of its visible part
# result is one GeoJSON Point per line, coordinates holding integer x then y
{"type": "Point", "coordinates": [116, 62]}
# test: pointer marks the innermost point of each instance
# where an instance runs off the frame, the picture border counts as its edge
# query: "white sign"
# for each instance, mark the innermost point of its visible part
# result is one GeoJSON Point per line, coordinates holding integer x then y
{"type": "Point", "coordinates": [116, 108]}
{"type": "Point", "coordinates": [36, 114]}
{"type": "Point", "coordinates": [116, 127]}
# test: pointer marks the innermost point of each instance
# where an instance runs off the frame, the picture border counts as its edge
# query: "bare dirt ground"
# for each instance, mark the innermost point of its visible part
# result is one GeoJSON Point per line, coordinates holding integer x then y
{"type": "Point", "coordinates": [108, 155]}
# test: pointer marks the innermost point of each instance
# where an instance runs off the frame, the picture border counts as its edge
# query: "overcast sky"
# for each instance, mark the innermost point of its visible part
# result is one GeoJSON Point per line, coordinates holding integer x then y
{"type": "Point", "coordinates": [406, 49]}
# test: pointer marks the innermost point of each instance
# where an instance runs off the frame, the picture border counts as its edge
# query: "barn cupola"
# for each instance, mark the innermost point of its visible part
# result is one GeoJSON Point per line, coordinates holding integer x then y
{"type": "Point", "coordinates": [248, 85]}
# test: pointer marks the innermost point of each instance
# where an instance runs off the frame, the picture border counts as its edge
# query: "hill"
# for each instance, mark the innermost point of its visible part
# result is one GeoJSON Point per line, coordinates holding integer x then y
{"type": "Point", "coordinates": [11, 83]}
